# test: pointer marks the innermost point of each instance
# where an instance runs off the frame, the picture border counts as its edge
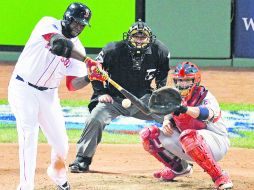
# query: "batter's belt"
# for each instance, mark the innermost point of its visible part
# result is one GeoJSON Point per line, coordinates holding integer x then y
{"type": "Point", "coordinates": [41, 88]}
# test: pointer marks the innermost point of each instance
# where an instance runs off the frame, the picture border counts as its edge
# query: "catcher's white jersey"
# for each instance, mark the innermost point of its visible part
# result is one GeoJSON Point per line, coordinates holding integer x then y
{"type": "Point", "coordinates": [215, 134]}
{"type": "Point", "coordinates": [39, 66]}
{"type": "Point", "coordinates": [217, 124]}
{"type": "Point", "coordinates": [36, 107]}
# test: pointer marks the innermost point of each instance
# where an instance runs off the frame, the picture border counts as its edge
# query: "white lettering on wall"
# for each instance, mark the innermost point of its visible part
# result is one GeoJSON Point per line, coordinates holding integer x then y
{"type": "Point", "coordinates": [248, 23]}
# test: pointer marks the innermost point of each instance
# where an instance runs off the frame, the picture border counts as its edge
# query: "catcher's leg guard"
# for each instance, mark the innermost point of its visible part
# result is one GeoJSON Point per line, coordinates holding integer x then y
{"type": "Point", "coordinates": [195, 146]}
{"type": "Point", "coordinates": [174, 165]}
{"type": "Point", "coordinates": [152, 144]}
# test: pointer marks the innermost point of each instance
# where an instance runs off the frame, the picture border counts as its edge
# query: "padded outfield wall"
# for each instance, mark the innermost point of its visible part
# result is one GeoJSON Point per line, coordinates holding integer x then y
{"type": "Point", "coordinates": [195, 30]}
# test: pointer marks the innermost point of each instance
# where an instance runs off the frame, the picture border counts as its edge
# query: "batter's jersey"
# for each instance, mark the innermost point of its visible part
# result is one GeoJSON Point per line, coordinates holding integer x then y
{"type": "Point", "coordinates": [39, 66]}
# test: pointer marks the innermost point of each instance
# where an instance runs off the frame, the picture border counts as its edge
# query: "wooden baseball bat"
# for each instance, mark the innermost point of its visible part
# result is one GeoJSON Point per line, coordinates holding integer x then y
{"type": "Point", "coordinates": [134, 100]}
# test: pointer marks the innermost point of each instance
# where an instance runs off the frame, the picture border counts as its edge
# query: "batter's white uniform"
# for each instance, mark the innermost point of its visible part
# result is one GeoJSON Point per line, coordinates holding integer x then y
{"type": "Point", "coordinates": [34, 108]}
{"type": "Point", "coordinates": [215, 135]}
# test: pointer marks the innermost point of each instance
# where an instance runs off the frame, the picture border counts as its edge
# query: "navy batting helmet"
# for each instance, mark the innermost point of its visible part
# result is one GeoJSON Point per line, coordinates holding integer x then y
{"type": "Point", "coordinates": [75, 13]}
{"type": "Point", "coordinates": [78, 12]}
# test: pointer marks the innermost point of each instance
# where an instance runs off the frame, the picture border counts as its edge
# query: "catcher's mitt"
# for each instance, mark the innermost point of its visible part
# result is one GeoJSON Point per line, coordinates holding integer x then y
{"type": "Point", "coordinates": [164, 101]}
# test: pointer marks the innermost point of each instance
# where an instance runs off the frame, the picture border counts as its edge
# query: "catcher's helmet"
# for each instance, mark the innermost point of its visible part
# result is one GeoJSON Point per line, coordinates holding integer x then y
{"type": "Point", "coordinates": [138, 38]}
{"type": "Point", "coordinates": [78, 13]}
{"type": "Point", "coordinates": [186, 77]}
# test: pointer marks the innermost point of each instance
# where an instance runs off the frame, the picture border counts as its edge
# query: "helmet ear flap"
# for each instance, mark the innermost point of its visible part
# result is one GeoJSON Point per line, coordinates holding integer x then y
{"type": "Point", "coordinates": [68, 20]}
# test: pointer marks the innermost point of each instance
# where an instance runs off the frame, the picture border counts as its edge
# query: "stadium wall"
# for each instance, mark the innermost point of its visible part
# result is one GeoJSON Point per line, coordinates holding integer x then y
{"type": "Point", "coordinates": [201, 31]}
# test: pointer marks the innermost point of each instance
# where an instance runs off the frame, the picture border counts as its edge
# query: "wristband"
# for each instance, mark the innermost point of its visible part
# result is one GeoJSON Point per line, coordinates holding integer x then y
{"type": "Point", "coordinates": [203, 113]}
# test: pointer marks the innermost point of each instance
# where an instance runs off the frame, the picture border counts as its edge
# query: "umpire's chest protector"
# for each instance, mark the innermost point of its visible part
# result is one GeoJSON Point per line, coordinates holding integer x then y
{"type": "Point", "coordinates": [135, 81]}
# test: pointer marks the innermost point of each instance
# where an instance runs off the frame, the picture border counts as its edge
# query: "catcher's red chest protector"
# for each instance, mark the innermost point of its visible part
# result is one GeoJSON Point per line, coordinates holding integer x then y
{"type": "Point", "coordinates": [184, 121]}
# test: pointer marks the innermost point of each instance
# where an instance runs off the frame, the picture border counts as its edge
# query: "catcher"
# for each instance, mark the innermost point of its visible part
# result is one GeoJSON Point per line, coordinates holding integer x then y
{"type": "Point", "coordinates": [194, 130]}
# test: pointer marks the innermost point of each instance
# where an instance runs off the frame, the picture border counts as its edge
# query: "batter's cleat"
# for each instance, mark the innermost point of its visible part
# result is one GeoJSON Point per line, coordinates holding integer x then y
{"type": "Point", "coordinates": [65, 186]}
{"type": "Point", "coordinates": [223, 182]}
{"type": "Point", "coordinates": [166, 174]}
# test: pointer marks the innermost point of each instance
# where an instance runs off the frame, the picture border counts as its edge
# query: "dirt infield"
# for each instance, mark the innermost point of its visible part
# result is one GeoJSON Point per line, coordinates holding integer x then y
{"type": "Point", "coordinates": [129, 166]}
{"type": "Point", "coordinates": [125, 167]}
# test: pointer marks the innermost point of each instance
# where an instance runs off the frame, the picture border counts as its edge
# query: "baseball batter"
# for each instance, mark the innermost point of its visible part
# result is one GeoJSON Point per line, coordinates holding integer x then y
{"type": "Point", "coordinates": [194, 132]}
{"type": "Point", "coordinates": [33, 91]}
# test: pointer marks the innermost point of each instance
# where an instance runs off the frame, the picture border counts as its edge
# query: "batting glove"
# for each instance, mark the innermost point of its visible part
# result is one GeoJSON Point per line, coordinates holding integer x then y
{"type": "Point", "coordinates": [95, 71]}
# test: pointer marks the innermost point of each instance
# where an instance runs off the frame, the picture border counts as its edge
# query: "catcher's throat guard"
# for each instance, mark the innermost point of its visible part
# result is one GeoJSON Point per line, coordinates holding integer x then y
{"type": "Point", "coordinates": [164, 101]}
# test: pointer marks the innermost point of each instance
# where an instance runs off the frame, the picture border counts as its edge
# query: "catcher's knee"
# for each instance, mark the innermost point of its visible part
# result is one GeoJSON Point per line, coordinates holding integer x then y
{"type": "Point", "coordinates": [190, 139]}
{"type": "Point", "coordinates": [147, 135]}
{"type": "Point", "coordinates": [151, 132]}
{"type": "Point", "coordinates": [152, 144]}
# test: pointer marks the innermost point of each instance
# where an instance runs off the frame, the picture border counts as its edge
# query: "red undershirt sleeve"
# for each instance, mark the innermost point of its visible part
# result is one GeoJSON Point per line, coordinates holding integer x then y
{"type": "Point", "coordinates": [69, 83]}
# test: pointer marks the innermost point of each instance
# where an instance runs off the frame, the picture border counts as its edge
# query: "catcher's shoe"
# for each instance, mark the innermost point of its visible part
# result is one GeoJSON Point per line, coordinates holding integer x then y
{"type": "Point", "coordinates": [166, 174]}
{"type": "Point", "coordinates": [65, 186]}
{"type": "Point", "coordinates": [223, 182]}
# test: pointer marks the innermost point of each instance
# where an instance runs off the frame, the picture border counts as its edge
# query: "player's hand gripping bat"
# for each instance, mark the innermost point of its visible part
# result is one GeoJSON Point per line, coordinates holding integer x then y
{"type": "Point", "coordinates": [137, 102]}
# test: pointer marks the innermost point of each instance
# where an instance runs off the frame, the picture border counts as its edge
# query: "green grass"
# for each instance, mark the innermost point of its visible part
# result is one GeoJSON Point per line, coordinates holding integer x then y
{"type": "Point", "coordinates": [74, 103]}
{"type": "Point", "coordinates": [237, 107]}
{"type": "Point", "coordinates": [9, 135]}
{"type": "Point", "coordinates": [3, 102]}
{"type": "Point", "coordinates": [224, 106]}
{"type": "Point", "coordinates": [243, 142]}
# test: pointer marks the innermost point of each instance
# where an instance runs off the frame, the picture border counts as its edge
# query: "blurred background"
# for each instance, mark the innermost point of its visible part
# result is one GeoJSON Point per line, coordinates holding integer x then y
{"type": "Point", "coordinates": [209, 32]}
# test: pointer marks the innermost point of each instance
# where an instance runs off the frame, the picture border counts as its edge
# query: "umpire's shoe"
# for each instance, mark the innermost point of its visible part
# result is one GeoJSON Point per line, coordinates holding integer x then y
{"type": "Point", "coordinates": [65, 186]}
{"type": "Point", "coordinates": [80, 165]}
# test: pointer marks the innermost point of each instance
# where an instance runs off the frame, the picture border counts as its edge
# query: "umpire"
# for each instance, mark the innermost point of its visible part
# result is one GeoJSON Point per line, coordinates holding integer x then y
{"type": "Point", "coordinates": [133, 63]}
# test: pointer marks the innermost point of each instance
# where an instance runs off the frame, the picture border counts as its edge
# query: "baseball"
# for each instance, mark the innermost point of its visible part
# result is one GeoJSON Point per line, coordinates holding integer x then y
{"type": "Point", "coordinates": [126, 103]}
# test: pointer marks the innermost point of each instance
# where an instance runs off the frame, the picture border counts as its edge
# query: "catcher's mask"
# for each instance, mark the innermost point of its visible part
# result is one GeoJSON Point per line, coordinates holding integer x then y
{"type": "Point", "coordinates": [75, 18]}
{"type": "Point", "coordinates": [138, 38]}
{"type": "Point", "coordinates": [186, 77]}
{"type": "Point", "coordinates": [164, 101]}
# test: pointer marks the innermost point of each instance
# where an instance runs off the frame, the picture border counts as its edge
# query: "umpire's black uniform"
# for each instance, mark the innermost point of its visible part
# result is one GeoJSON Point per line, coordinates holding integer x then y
{"type": "Point", "coordinates": [117, 61]}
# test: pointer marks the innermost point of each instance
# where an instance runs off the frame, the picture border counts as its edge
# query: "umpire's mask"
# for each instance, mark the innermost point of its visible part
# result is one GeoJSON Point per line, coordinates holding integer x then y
{"type": "Point", "coordinates": [138, 38]}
